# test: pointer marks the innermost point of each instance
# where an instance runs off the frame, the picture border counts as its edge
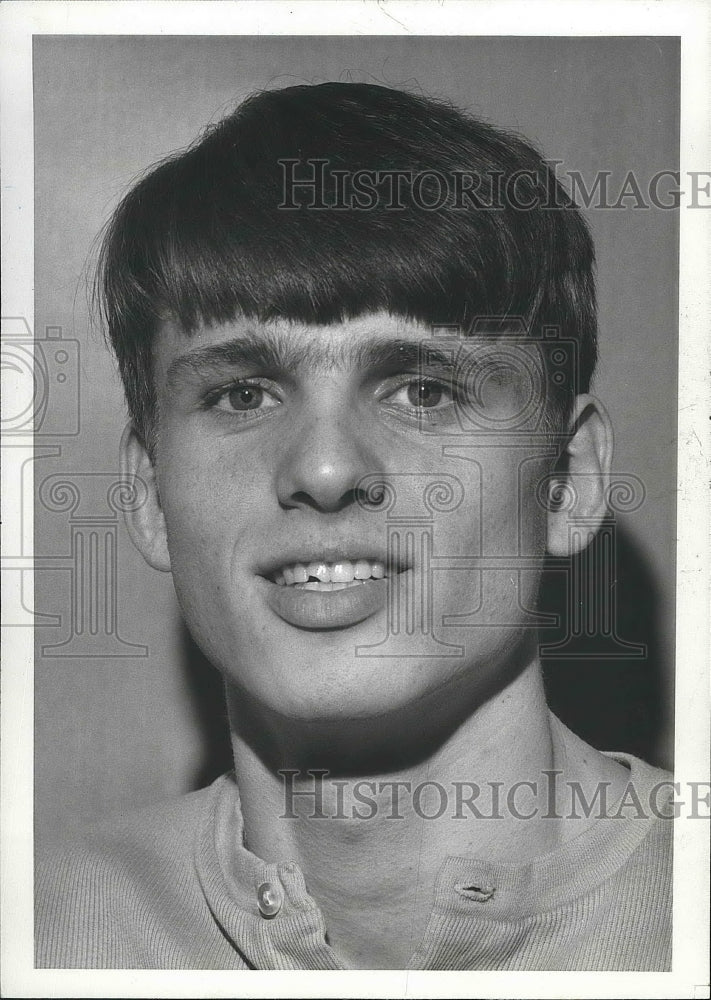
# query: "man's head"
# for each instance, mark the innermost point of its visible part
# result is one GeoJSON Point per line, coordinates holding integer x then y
{"type": "Point", "coordinates": [437, 217]}
{"type": "Point", "coordinates": [332, 316]}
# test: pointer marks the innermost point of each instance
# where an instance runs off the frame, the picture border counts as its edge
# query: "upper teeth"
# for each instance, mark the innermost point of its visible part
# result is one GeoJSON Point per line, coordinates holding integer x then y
{"type": "Point", "coordinates": [323, 572]}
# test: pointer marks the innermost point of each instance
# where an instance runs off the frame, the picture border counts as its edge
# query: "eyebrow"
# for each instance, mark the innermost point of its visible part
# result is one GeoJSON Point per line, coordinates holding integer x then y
{"type": "Point", "coordinates": [277, 352]}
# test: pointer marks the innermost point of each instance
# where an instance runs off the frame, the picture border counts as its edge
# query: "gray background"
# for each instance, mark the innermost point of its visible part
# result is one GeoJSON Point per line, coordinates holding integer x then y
{"type": "Point", "coordinates": [113, 732]}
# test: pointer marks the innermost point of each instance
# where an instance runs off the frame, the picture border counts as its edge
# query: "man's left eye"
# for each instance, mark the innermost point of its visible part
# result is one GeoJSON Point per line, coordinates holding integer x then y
{"type": "Point", "coordinates": [422, 394]}
{"type": "Point", "coordinates": [245, 397]}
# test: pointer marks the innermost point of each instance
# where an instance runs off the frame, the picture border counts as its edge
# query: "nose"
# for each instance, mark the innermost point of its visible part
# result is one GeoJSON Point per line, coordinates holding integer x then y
{"type": "Point", "coordinates": [323, 462]}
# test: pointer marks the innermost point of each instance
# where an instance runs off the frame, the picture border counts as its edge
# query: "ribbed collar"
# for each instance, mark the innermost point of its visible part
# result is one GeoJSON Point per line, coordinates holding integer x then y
{"type": "Point", "coordinates": [295, 938]}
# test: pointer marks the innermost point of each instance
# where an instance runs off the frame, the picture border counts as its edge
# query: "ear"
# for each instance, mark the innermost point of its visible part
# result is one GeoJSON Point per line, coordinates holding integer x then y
{"type": "Point", "coordinates": [582, 485]}
{"type": "Point", "coordinates": [145, 521]}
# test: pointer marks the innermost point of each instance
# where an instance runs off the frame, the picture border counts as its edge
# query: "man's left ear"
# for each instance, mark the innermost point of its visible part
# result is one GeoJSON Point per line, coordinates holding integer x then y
{"type": "Point", "coordinates": [582, 485]}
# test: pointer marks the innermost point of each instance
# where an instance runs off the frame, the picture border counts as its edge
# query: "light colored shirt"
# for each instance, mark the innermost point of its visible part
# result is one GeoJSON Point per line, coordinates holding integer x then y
{"type": "Point", "coordinates": [174, 887]}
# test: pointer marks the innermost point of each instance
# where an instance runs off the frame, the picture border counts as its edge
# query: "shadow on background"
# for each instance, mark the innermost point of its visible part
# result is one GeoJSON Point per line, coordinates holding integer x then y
{"type": "Point", "coordinates": [206, 691]}
{"type": "Point", "coordinates": [614, 704]}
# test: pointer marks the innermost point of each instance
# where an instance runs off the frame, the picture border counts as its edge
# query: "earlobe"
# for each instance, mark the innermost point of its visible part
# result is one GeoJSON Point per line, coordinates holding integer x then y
{"type": "Point", "coordinates": [583, 483]}
{"type": "Point", "coordinates": [145, 521]}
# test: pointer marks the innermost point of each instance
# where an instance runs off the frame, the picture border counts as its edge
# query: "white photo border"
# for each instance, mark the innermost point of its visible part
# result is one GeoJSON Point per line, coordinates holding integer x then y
{"type": "Point", "coordinates": [690, 20]}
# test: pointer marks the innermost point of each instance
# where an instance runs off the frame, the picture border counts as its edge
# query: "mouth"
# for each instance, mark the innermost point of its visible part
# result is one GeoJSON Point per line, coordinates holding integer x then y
{"type": "Point", "coordinates": [325, 577]}
{"type": "Point", "coordinates": [327, 593]}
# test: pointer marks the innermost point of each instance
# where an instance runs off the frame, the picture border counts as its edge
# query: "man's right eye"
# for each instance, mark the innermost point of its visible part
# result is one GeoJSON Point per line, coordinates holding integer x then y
{"type": "Point", "coordinates": [244, 397]}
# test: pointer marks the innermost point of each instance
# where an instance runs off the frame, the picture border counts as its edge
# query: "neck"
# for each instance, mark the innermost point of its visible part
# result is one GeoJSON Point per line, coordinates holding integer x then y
{"type": "Point", "coordinates": [369, 834]}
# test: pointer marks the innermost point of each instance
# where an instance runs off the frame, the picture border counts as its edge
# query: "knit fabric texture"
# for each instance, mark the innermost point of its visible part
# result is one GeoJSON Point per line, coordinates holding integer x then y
{"type": "Point", "coordinates": [173, 887]}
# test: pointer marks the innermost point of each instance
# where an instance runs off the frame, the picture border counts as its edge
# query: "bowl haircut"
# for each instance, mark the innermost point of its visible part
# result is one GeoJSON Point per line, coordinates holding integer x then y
{"type": "Point", "coordinates": [289, 208]}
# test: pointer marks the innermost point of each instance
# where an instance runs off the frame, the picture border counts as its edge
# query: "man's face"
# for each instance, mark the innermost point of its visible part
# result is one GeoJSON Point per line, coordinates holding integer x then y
{"type": "Point", "coordinates": [303, 589]}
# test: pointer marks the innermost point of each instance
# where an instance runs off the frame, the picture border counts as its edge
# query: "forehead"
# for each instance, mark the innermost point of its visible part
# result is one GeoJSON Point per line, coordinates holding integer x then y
{"type": "Point", "coordinates": [339, 344]}
{"type": "Point", "coordinates": [371, 341]}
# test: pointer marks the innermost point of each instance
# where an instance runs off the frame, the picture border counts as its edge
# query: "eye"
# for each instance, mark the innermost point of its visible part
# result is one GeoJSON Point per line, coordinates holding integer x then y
{"type": "Point", "coordinates": [245, 397]}
{"type": "Point", "coordinates": [425, 394]}
{"type": "Point", "coordinates": [241, 397]}
{"type": "Point", "coordinates": [422, 394]}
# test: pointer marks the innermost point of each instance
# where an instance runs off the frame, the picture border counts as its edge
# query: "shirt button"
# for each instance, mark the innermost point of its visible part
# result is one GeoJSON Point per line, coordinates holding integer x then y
{"type": "Point", "coordinates": [269, 899]}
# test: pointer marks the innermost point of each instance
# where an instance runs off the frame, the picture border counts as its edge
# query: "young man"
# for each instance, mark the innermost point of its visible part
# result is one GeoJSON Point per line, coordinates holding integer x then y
{"type": "Point", "coordinates": [356, 330]}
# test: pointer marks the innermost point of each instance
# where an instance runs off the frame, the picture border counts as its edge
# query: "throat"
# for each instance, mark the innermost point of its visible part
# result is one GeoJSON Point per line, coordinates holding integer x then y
{"type": "Point", "coordinates": [386, 916]}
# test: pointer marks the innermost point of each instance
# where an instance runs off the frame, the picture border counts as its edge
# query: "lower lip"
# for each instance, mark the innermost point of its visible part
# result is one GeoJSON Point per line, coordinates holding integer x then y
{"type": "Point", "coordinates": [311, 609]}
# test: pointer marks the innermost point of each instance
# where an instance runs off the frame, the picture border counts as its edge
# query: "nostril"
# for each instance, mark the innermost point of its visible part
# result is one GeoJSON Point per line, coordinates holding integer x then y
{"type": "Point", "coordinates": [321, 502]}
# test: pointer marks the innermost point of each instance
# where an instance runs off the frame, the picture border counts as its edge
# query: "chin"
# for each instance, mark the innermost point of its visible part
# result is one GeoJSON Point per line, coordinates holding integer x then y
{"type": "Point", "coordinates": [364, 688]}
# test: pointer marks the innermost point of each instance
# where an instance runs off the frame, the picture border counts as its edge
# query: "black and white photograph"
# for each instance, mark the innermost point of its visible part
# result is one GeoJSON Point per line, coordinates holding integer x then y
{"type": "Point", "coordinates": [355, 531]}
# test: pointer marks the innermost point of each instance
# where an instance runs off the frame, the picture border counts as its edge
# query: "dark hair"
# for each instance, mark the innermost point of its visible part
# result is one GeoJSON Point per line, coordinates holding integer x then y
{"type": "Point", "coordinates": [211, 233]}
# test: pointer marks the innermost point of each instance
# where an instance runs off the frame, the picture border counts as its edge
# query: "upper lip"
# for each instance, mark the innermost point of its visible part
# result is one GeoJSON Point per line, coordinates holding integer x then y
{"type": "Point", "coordinates": [345, 552]}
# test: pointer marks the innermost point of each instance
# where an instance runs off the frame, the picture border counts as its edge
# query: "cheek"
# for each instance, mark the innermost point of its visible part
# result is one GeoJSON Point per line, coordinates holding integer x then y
{"type": "Point", "coordinates": [512, 520]}
{"type": "Point", "coordinates": [189, 510]}
{"type": "Point", "coordinates": [205, 484]}
{"type": "Point", "coordinates": [502, 520]}
{"type": "Point", "coordinates": [210, 507]}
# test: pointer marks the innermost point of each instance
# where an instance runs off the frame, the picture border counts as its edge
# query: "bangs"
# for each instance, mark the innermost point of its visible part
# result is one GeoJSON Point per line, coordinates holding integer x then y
{"type": "Point", "coordinates": [238, 226]}
{"type": "Point", "coordinates": [206, 256]}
